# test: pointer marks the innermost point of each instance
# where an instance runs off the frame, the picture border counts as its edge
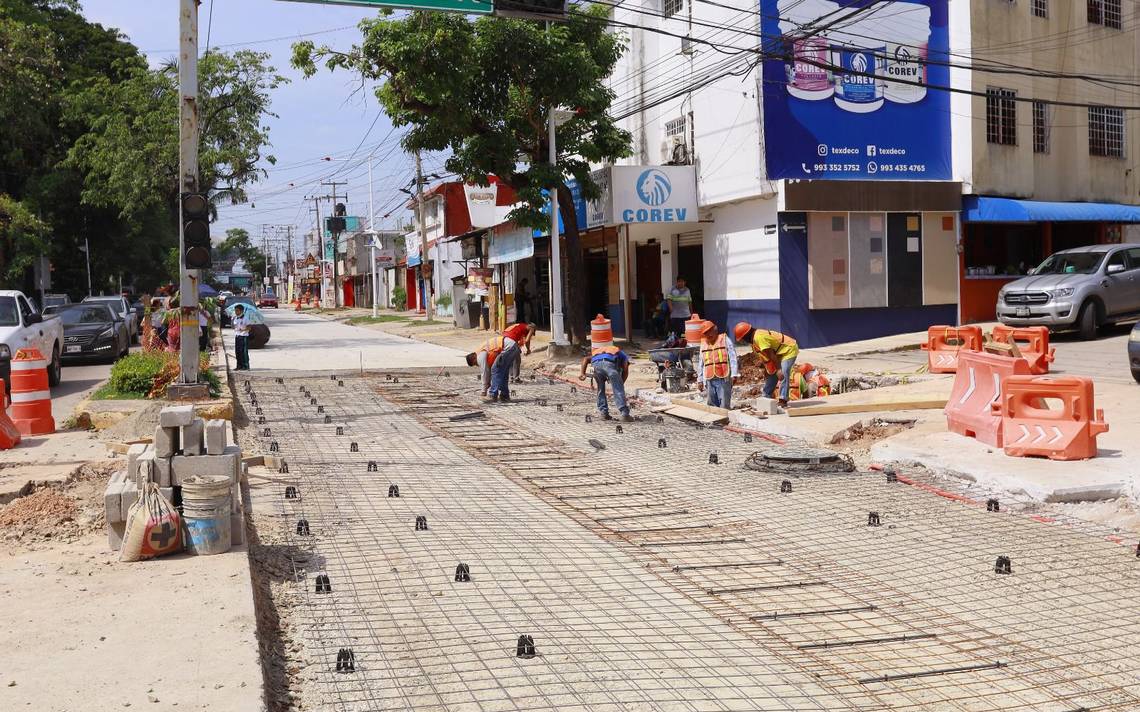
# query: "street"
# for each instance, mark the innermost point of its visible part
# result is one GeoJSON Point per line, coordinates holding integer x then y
{"type": "Point", "coordinates": [77, 382]}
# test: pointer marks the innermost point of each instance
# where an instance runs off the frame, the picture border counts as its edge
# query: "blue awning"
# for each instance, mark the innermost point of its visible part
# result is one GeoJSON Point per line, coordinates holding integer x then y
{"type": "Point", "coordinates": [978, 208]}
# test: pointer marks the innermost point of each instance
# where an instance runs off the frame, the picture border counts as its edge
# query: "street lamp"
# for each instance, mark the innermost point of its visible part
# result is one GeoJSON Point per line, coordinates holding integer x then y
{"type": "Point", "coordinates": [557, 326]}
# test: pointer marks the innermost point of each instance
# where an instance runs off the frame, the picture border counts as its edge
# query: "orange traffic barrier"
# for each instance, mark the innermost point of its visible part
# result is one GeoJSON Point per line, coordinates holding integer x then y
{"type": "Point", "coordinates": [9, 433]}
{"type": "Point", "coordinates": [1033, 429]}
{"type": "Point", "coordinates": [1032, 342]}
{"type": "Point", "coordinates": [694, 327]}
{"type": "Point", "coordinates": [945, 343]}
{"type": "Point", "coordinates": [601, 332]}
{"type": "Point", "coordinates": [977, 387]}
{"type": "Point", "coordinates": [31, 397]}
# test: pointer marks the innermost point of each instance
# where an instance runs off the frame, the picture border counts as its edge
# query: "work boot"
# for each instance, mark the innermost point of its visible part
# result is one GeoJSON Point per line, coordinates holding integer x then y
{"type": "Point", "coordinates": [504, 399]}
{"type": "Point", "coordinates": [627, 418]}
{"type": "Point", "coordinates": [783, 403]}
{"type": "Point", "coordinates": [606, 416]}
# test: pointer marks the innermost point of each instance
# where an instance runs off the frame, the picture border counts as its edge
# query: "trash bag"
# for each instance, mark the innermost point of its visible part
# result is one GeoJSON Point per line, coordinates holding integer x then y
{"type": "Point", "coordinates": [153, 527]}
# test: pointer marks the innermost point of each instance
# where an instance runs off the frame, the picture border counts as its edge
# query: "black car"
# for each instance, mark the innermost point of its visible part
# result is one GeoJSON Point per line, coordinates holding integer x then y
{"type": "Point", "coordinates": [92, 330]}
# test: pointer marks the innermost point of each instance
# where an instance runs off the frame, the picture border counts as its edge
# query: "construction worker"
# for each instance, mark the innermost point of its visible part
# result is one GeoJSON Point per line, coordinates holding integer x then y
{"type": "Point", "coordinates": [716, 366]}
{"type": "Point", "coordinates": [611, 365]}
{"type": "Point", "coordinates": [521, 334]}
{"type": "Point", "coordinates": [484, 357]}
{"type": "Point", "coordinates": [515, 337]}
{"type": "Point", "coordinates": [776, 351]}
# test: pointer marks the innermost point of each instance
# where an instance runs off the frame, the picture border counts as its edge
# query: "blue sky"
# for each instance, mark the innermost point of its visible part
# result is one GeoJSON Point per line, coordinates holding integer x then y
{"type": "Point", "coordinates": [326, 115]}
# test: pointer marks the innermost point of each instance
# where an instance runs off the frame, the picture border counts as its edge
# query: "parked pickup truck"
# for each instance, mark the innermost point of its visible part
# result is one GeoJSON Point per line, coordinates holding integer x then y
{"type": "Point", "coordinates": [21, 326]}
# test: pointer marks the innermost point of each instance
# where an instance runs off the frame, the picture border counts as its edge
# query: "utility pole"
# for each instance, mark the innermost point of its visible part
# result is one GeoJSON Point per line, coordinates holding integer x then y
{"type": "Point", "coordinates": [87, 252]}
{"type": "Point", "coordinates": [423, 236]}
{"type": "Point", "coordinates": [335, 241]}
{"type": "Point", "coordinates": [557, 326]}
{"type": "Point", "coordinates": [320, 245]}
{"type": "Point", "coordinates": [188, 183]}
{"type": "Point", "coordinates": [375, 236]}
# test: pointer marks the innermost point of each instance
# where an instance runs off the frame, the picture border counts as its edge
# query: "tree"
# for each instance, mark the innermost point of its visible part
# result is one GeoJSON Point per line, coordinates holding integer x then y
{"type": "Point", "coordinates": [483, 89]}
{"type": "Point", "coordinates": [237, 242]}
{"type": "Point", "coordinates": [23, 237]}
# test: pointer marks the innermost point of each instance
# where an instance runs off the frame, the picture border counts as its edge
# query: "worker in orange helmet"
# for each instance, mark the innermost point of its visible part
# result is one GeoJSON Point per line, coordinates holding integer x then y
{"type": "Point", "coordinates": [716, 366]}
{"type": "Point", "coordinates": [776, 351]}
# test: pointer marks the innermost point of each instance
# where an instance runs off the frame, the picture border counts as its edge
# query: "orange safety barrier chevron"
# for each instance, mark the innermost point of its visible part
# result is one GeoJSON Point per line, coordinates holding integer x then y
{"type": "Point", "coordinates": [31, 397]}
{"type": "Point", "coordinates": [1032, 342]}
{"type": "Point", "coordinates": [9, 433]}
{"type": "Point", "coordinates": [977, 387]}
{"type": "Point", "coordinates": [1031, 428]}
{"type": "Point", "coordinates": [944, 343]}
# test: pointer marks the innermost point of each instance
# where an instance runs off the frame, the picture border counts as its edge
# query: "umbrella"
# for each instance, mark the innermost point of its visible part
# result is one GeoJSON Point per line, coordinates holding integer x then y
{"type": "Point", "coordinates": [205, 290]}
{"type": "Point", "coordinates": [252, 313]}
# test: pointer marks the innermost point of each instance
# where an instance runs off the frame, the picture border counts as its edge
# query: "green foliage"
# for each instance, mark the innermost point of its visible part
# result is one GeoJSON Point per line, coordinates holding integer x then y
{"type": "Point", "coordinates": [22, 237]}
{"type": "Point", "coordinates": [237, 242]}
{"type": "Point", "coordinates": [399, 298]}
{"type": "Point", "coordinates": [136, 373]}
{"type": "Point", "coordinates": [444, 300]}
{"type": "Point", "coordinates": [379, 319]}
{"type": "Point", "coordinates": [482, 90]}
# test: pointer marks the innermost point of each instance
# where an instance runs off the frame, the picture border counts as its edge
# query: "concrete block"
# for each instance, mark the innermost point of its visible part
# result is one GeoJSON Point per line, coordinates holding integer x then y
{"type": "Point", "coordinates": [115, 533]}
{"type": "Point", "coordinates": [216, 436]}
{"type": "Point", "coordinates": [165, 441]}
{"type": "Point", "coordinates": [133, 453]}
{"type": "Point", "coordinates": [768, 406]}
{"type": "Point", "coordinates": [130, 495]}
{"type": "Point", "coordinates": [163, 473]}
{"type": "Point", "coordinates": [112, 498]}
{"type": "Point", "coordinates": [237, 529]}
{"type": "Point", "coordinates": [176, 416]}
{"type": "Point", "coordinates": [183, 466]}
{"type": "Point", "coordinates": [192, 437]}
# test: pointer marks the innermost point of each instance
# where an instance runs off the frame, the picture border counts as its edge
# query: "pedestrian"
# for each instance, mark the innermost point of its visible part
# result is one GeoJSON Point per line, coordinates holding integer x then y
{"type": "Point", "coordinates": [522, 299]}
{"type": "Point", "coordinates": [484, 357]}
{"type": "Point", "coordinates": [660, 318]}
{"type": "Point", "coordinates": [203, 330]}
{"type": "Point", "coordinates": [716, 367]}
{"type": "Point", "coordinates": [776, 351]}
{"type": "Point", "coordinates": [611, 365]}
{"type": "Point", "coordinates": [157, 324]}
{"type": "Point", "coordinates": [680, 306]}
{"type": "Point", "coordinates": [515, 338]}
{"type": "Point", "coordinates": [241, 337]}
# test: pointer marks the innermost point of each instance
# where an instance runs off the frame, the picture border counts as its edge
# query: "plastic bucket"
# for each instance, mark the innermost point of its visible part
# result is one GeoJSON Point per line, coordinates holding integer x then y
{"type": "Point", "coordinates": [206, 514]}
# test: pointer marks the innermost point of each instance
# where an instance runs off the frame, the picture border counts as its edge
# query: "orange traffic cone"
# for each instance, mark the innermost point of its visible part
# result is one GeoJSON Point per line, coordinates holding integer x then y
{"type": "Point", "coordinates": [31, 397]}
{"type": "Point", "coordinates": [9, 434]}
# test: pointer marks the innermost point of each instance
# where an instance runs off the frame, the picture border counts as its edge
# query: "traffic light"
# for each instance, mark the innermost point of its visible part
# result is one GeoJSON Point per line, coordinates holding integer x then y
{"type": "Point", "coordinates": [196, 230]}
{"type": "Point", "coordinates": [532, 9]}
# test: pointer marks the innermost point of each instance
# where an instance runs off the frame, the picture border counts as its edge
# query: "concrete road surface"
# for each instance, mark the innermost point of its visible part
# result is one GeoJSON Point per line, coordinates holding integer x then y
{"type": "Point", "coordinates": [79, 379]}
{"type": "Point", "coordinates": [299, 341]}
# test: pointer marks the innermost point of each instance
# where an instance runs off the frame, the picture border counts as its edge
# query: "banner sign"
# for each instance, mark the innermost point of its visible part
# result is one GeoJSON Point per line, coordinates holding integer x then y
{"type": "Point", "coordinates": [856, 99]}
{"type": "Point", "coordinates": [510, 244]}
{"type": "Point", "coordinates": [385, 257]}
{"type": "Point", "coordinates": [654, 194]}
{"type": "Point", "coordinates": [481, 204]}
{"type": "Point", "coordinates": [479, 280]}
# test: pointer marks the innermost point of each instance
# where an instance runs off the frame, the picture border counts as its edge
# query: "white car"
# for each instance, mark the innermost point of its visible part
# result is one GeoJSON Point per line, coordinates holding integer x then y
{"type": "Point", "coordinates": [123, 308]}
{"type": "Point", "coordinates": [22, 326]}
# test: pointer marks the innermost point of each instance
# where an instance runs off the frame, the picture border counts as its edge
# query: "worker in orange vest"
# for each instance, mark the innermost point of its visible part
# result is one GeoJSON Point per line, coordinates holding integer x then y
{"type": "Point", "coordinates": [521, 334]}
{"type": "Point", "coordinates": [484, 357]}
{"type": "Point", "coordinates": [515, 338]}
{"type": "Point", "coordinates": [776, 351]}
{"type": "Point", "coordinates": [611, 365]}
{"type": "Point", "coordinates": [716, 366]}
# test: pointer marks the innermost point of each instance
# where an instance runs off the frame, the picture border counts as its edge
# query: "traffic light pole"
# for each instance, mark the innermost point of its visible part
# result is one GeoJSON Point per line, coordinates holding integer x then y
{"type": "Point", "coordinates": [187, 386]}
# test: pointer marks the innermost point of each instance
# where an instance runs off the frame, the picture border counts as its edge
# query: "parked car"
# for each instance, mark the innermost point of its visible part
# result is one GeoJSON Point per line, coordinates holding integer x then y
{"type": "Point", "coordinates": [140, 311]}
{"type": "Point", "coordinates": [55, 300]}
{"type": "Point", "coordinates": [268, 299]}
{"type": "Point", "coordinates": [21, 326]}
{"type": "Point", "coordinates": [1134, 351]}
{"type": "Point", "coordinates": [1084, 289]}
{"type": "Point", "coordinates": [92, 330]}
{"type": "Point", "coordinates": [121, 307]}
{"type": "Point", "coordinates": [230, 302]}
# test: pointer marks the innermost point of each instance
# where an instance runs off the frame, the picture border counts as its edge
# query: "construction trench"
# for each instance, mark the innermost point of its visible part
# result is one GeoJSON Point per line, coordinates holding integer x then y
{"type": "Point", "coordinates": [538, 557]}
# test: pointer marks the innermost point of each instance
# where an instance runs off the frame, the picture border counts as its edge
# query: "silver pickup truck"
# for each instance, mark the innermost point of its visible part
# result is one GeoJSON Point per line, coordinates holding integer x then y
{"type": "Point", "coordinates": [1084, 289]}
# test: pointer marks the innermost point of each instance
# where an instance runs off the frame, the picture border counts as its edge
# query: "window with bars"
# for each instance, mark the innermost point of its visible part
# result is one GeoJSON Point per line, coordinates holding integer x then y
{"type": "Point", "coordinates": [669, 8]}
{"type": "Point", "coordinates": [675, 127]}
{"type": "Point", "coordinates": [1104, 12]}
{"type": "Point", "coordinates": [1001, 116]}
{"type": "Point", "coordinates": [1040, 8]}
{"type": "Point", "coordinates": [1106, 131]}
{"type": "Point", "coordinates": [1040, 127]}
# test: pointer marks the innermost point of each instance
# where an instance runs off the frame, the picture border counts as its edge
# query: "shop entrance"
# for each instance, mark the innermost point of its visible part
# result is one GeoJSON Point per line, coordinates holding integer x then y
{"type": "Point", "coordinates": [597, 283]}
{"type": "Point", "coordinates": [648, 283]}
{"type": "Point", "coordinates": [691, 266]}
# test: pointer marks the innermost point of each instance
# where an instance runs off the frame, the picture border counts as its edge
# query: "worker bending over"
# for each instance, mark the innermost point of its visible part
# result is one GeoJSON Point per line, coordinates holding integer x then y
{"type": "Point", "coordinates": [716, 367]}
{"type": "Point", "coordinates": [515, 338]}
{"type": "Point", "coordinates": [776, 351]}
{"type": "Point", "coordinates": [485, 358]}
{"type": "Point", "coordinates": [611, 365]}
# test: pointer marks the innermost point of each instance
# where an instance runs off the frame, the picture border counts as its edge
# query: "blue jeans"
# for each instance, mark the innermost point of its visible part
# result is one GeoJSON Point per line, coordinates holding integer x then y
{"type": "Point", "coordinates": [770, 382]}
{"type": "Point", "coordinates": [241, 350]}
{"type": "Point", "coordinates": [608, 371]}
{"type": "Point", "coordinates": [501, 371]}
{"type": "Point", "coordinates": [718, 392]}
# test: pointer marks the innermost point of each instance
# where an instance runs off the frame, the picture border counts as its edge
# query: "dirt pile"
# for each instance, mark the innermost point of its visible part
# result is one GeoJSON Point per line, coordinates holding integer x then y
{"type": "Point", "coordinates": [64, 511]}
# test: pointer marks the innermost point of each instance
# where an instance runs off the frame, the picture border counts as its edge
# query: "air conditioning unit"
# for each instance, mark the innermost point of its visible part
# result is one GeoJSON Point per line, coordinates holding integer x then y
{"type": "Point", "coordinates": [675, 151]}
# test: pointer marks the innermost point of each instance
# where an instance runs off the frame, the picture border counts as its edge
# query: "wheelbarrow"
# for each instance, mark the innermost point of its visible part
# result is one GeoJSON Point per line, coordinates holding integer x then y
{"type": "Point", "coordinates": [674, 367]}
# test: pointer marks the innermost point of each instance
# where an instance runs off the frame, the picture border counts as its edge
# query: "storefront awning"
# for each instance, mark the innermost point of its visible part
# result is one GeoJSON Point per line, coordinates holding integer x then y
{"type": "Point", "coordinates": [977, 208]}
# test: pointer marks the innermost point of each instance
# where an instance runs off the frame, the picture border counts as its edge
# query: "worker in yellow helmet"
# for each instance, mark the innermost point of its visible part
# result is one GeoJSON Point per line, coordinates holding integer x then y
{"type": "Point", "coordinates": [776, 351]}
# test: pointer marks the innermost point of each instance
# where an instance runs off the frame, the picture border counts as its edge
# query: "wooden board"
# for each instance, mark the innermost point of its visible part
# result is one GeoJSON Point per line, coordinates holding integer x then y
{"type": "Point", "coordinates": [686, 403]}
{"type": "Point", "coordinates": [695, 415]}
{"type": "Point", "coordinates": [927, 404]}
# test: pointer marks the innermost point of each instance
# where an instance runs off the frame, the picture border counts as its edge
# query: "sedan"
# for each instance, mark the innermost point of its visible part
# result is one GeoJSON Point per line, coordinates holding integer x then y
{"type": "Point", "coordinates": [269, 299]}
{"type": "Point", "coordinates": [92, 331]}
{"type": "Point", "coordinates": [120, 306]}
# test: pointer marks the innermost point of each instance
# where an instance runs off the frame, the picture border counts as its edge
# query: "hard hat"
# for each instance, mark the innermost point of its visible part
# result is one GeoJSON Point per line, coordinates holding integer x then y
{"type": "Point", "coordinates": [741, 330]}
{"type": "Point", "coordinates": [707, 326]}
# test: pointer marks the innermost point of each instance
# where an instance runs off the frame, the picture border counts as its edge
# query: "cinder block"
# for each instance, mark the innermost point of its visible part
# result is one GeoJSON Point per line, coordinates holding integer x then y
{"type": "Point", "coordinates": [235, 498]}
{"type": "Point", "coordinates": [165, 441]}
{"type": "Point", "coordinates": [163, 473]}
{"type": "Point", "coordinates": [112, 498]}
{"type": "Point", "coordinates": [237, 529]}
{"type": "Point", "coordinates": [183, 466]}
{"type": "Point", "coordinates": [115, 533]}
{"type": "Point", "coordinates": [133, 453]}
{"type": "Point", "coordinates": [176, 416]}
{"type": "Point", "coordinates": [216, 436]}
{"type": "Point", "coordinates": [768, 406]}
{"type": "Point", "coordinates": [192, 437]}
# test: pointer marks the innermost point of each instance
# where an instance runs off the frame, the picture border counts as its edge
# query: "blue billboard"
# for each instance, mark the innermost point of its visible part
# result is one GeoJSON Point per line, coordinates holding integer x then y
{"type": "Point", "coordinates": [856, 90]}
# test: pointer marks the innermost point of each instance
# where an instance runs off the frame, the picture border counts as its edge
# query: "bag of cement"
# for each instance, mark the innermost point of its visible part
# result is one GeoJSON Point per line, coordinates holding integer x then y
{"type": "Point", "coordinates": [153, 527]}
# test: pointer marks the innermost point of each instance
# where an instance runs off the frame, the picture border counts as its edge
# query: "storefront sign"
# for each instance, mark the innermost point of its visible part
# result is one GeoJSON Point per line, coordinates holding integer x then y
{"type": "Point", "coordinates": [481, 204]}
{"type": "Point", "coordinates": [385, 257]}
{"type": "Point", "coordinates": [479, 280]}
{"type": "Point", "coordinates": [600, 212]}
{"type": "Point", "coordinates": [839, 105]}
{"type": "Point", "coordinates": [654, 194]}
{"type": "Point", "coordinates": [412, 241]}
{"type": "Point", "coordinates": [510, 245]}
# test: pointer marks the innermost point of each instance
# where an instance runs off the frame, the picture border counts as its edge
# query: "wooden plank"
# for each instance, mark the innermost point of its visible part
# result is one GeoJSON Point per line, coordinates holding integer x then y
{"type": "Point", "coordinates": [685, 402]}
{"type": "Point", "coordinates": [696, 416]}
{"type": "Point", "coordinates": [928, 404]}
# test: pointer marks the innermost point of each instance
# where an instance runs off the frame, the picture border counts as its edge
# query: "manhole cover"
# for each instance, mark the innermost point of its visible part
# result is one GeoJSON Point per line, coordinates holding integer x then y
{"type": "Point", "coordinates": [800, 461]}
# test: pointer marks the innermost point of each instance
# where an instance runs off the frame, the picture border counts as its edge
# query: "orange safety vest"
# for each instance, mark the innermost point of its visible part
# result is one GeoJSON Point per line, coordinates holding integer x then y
{"type": "Point", "coordinates": [604, 351]}
{"type": "Point", "coordinates": [715, 358]}
{"type": "Point", "coordinates": [493, 346]}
